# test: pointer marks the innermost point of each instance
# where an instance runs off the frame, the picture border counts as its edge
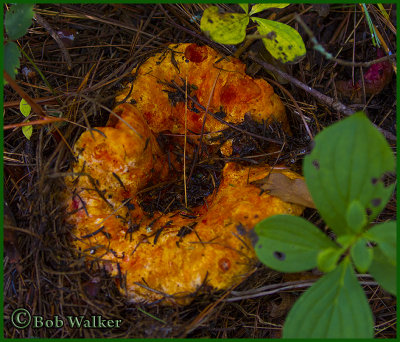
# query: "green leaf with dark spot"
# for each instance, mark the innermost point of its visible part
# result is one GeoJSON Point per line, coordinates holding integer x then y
{"type": "Point", "coordinates": [11, 59]}
{"type": "Point", "coordinates": [262, 7]}
{"type": "Point", "coordinates": [361, 255]}
{"type": "Point", "coordinates": [289, 243]}
{"type": "Point", "coordinates": [385, 235]}
{"type": "Point", "coordinates": [347, 164]}
{"type": "Point", "coordinates": [334, 307]}
{"type": "Point", "coordinates": [356, 216]}
{"type": "Point", "coordinates": [18, 19]}
{"type": "Point", "coordinates": [224, 28]}
{"type": "Point", "coordinates": [328, 258]}
{"type": "Point", "coordinates": [383, 271]}
{"type": "Point", "coordinates": [283, 42]}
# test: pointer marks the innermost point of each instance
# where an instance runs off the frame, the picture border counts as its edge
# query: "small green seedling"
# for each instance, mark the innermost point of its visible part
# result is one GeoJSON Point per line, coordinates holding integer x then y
{"type": "Point", "coordinates": [16, 22]}
{"type": "Point", "coordinates": [345, 174]}
{"type": "Point", "coordinates": [282, 41]}
{"type": "Point", "coordinates": [25, 110]}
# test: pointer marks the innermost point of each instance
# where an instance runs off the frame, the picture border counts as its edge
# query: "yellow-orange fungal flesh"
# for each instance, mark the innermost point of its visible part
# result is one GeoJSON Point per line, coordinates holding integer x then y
{"type": "Point", "coordinates": [170, 256]}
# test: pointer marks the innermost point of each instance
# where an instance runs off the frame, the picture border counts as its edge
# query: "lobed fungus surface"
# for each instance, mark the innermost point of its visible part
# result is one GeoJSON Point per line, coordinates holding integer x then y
{"type": "Point", "coordinates": [171, 256]}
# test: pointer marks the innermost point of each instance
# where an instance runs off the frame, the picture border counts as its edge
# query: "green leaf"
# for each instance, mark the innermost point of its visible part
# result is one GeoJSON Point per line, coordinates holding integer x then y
{"type": "Point", "coordinates": [334, 307]}
{"type": "Point", "coordinates": [384, 235]}
{"type": "Point", "coordinates": [356, 216]}
{"type": "Point", "coordinates": [224, 28]}
{"type": "Point", "coordinates": [24, 108]}
{"type": "Point", "coordinates": [346, 240]}
{"type": "Point", "coordinates": [361, 255]}
{"type": "Point", "coordinates": [11, 59]}
{"type": "Point", "coordinates": [27, 130]}
{"type": "Point", "coordinates": [347, 163]}
{"type": "Point", "coordinates": [383, 271]}
{"type": "Point", "coordinates": [289, 244]}
{"type": "Point", "coordinates": [245, 7]}
{"type": "Point", "coordinates": [18, 19]}
{"type": "Point", "coordinates": [283, 42]}
{"type": "Point", "coordinates": [328, 258]}
{"type": "Point", "coordinates": [261, 7]}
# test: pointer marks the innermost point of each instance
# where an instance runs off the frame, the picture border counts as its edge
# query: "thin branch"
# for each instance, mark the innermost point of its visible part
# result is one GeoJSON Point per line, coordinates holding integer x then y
{"type": "Point", "coordinates": [336, 105]}
{"type": "Point", "coordinates": [33, 123]}
{"type": "Point", "coordinates": [276, 288]}
{"type": "Point", "coordinates": [56, 37]}
{"type": "Point", "coordinates": [299, 111]}
{"type": "Point", "coordinates": [35, 107]}
{"type": "Point", "coordinates": [321, 49]}
{"type": "Point", "coordinates": [223, 121]}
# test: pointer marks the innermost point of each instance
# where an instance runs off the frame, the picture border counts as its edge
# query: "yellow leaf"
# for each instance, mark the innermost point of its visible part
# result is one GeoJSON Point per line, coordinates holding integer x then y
{"type": "Point", "coordinates": [262, 7]}
{"type": "Point", "coordinates": [27, 131]}
{"type": "Point", "coordinates": [282, 41]}
{"type": "Point", "coordinates": [224, 28]}
{"type": "Point", "coordinates": [24, 108]}
{"type": "Point", "coordinates": [245, 7]}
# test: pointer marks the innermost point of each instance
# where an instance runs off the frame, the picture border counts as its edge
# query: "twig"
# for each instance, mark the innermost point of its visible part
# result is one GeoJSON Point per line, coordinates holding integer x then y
{"type": "Point", "coordinates": [276, 288]}
{"type": "Point", "coordinates": [72, 94]}
{"type": "Point", "coordinates": [32, 123]}
{"type": "Point", "coordinates": [185, 143]}
{"type": "Point", "coordinates": [47, 100]}
{"type": "Point", "coordinates": [199, 151]}
{"type": "Point", "coordinates": [321, 49]}
{"type": "Point", "coordinates": [340, 107]}
{"type": "Point", "coordinates": [205, 313]}
{"type": "Point", "coordinates": [223, 121]}
{"type": "Point", "coordinates": [35, 107]}
{"type": "Point", "coordinates": [56, 37]}
{"type": "Point", "coordinates": [203, 38]}
{"type": "Point", "coordinates": [300, 112]}
{"type": "Point", "coordinates": [336, 105]}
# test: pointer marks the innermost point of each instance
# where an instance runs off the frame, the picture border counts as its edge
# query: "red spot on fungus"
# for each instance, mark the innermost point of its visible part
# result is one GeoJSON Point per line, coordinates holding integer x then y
{"type": "Point", "coordinates": [125, 194]}
{"type": "Point", "coordinates": [101, 152]}
{"type": "Point", "coordinates": [228, 94]}
{"type": "Point", "coordinates": [196, 53]}
{"type": "Point", "coordinates": [147, 116]}
{"type": "Point", "coordinates": [75, 203]}
{"type": "Point", "coordinates": [224, 264]}
{"type": "Point", "coordinates": [243, 90]}
{"type": "Point", "coordinates": [195, 122]}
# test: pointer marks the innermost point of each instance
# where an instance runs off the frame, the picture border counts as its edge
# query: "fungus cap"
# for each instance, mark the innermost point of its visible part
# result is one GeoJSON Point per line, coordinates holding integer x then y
{"type": "Point", "coordinates": [170, 256]}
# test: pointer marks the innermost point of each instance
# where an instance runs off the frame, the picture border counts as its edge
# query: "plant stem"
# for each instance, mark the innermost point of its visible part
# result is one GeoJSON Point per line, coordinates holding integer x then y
{"type": "Point", "coordinates": [340, 107]}
{"type": "Point", "coordinates": [56, 37]}
{"type": "Point", "coordinates": [329, 56]}
{"type": "Point", "coordinates": [36, 108]}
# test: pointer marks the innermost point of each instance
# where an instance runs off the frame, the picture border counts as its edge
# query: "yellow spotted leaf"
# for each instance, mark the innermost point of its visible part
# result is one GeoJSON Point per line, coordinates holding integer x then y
{"type": "Point", "coordinates": [224, 28]}
{"type": "Point", "coordinates": [282, 41]}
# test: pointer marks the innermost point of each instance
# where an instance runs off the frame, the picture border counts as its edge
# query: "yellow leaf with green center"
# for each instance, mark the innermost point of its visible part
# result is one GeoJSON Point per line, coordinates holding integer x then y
{"type": "Point", "coordinates": [282, 41]}
{"type": "Point", "coordinates": [245, 7]}
{"type": "Point", "coordinates": [224, 28]}
{"type": "Point", "coordinates": [27, 131]}
{"type": "Point", "coordinates": [24, 108]}
{"type": "Point", "coordinates": [262, 7]}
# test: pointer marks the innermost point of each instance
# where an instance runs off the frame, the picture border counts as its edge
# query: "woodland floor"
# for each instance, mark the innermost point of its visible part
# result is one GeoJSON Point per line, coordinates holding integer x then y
{"type": "Point", "coordinates": [113, 39]}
